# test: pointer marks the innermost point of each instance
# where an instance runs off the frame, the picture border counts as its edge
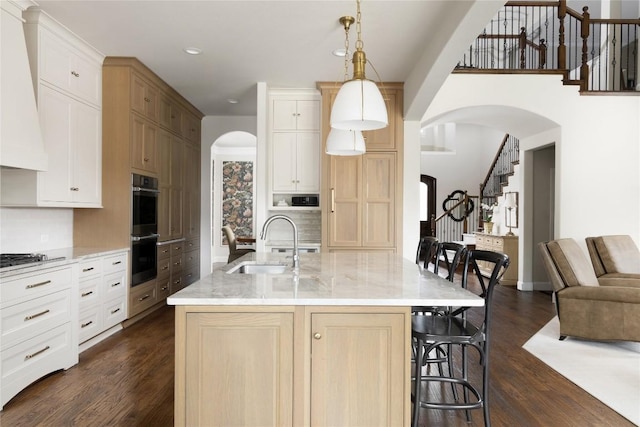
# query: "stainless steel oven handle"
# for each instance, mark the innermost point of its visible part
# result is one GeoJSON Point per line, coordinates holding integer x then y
{"type": "Point", "coordinates": [138, 238]}
{"type": "Point", "coordinates": [148, 190]}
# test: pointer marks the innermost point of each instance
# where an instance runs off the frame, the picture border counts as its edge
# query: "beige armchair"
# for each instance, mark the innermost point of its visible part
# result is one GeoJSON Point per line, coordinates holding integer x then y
{"type": "Point", "coordinates": [586, 308]}
{"type": "Point", "coordinates": [234, 252]}
{"type": "Point", "coordinates": [615, 259]}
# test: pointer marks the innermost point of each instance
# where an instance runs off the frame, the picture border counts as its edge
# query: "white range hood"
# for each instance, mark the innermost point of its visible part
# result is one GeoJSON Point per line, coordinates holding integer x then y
{"type": "Point", "coordinates": [21, 144]}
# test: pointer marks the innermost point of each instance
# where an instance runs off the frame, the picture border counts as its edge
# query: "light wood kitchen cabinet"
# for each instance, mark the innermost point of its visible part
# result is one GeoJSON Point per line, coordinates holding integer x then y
{"type": "Point", "coordinates": [144, 98]}
{"type": "Point", "coordinates": [286, 366]}
{"type": "Point", "coordinates": [361, 196]}
{"type": "Point", "coordinates": [296, 115]}
{"type": "Point", "coordinates": [343, 380]}
{"type": "Point", "coordinates": [170, 199]}
{"type": "Point", "coordinates": [66, 75]}
{"type": "Point", "coordinates": [144, 146]}
{"type": "Point", "coordinates": [362, 205]}
{"type": "Point", "coordinates": [191, 127]}
{"type": "Point", "coordinates": [135, 132]}
{"type": "Point", "coordinates": [503, 244]}
{"type": "Point", "coordinates": [171, 113]}
{"type": "Point", "coordinates": [191, 192]}
{"type": "Point", "coordinates": [295, 162]}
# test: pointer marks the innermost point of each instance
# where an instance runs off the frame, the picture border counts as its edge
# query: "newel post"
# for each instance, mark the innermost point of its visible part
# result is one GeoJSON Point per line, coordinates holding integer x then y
{"type": "Point", "coordinates": [562, 48]}
{"type": "Point", "coordinates": [584, 33]}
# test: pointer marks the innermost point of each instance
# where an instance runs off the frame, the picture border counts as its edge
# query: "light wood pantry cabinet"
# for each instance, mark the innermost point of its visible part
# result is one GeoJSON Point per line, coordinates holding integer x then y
{"type": "Point", "coordinates": [66, 76]}
{"type": "Point", "coordinates": [361, 196]}
{"type": "Point", "coordinates": [503, 244]}
{"type": "Point", "coordinates": [141, 136]}
{"type": "Point", "coordinates": [287, 366]}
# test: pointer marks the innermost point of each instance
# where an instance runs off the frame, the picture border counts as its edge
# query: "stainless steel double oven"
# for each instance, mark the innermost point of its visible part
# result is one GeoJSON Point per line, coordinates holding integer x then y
{"type": "Point", "coordinates": [144, 228]}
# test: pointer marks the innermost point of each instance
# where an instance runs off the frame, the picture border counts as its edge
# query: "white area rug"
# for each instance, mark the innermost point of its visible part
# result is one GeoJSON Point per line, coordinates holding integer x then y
{"type": "Point", "coordinates": [610, 372]}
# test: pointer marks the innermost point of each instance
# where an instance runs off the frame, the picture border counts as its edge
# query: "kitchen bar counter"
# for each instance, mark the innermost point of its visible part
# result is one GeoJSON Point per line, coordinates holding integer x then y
{"type": "Point", "coordinates": [355, 279]}
{"type": "Point", "coordinates": [328, 345]}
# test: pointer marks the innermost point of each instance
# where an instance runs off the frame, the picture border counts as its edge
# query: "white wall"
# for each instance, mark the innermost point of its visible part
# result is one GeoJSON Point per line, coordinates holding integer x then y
{"type": "Point", "coordinates": [597, 188]}
{"type": "Point", "coordinates": [212, 128]}
{"type": "Point", "coordinates": [35, 229]}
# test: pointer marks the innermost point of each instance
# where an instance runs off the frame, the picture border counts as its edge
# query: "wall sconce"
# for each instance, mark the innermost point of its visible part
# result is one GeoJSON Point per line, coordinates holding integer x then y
{"type": "Point", "coordinates": [510, 203]}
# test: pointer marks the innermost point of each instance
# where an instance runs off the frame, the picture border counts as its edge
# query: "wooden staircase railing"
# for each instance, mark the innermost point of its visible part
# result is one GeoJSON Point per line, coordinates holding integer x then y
{"type": "Point", "coordinates": [502, 167]}
{"type": "Point", "coordinates": [599, 55]}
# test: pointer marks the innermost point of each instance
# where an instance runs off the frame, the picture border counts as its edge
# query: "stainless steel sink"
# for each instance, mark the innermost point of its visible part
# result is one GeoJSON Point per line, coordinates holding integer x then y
{"type": "Point", "coordinates": [254, 268]}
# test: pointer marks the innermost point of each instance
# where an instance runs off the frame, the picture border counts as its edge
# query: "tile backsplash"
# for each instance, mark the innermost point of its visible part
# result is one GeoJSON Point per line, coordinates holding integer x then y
{"type": "Point", "coordinates": [35, 229]}
{"type": "Point", "coordinates": [307, 222]}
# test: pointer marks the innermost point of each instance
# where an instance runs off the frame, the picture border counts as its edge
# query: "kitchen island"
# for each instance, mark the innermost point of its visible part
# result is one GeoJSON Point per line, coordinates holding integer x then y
{"type": "Point", "coordinates": [326, 345]}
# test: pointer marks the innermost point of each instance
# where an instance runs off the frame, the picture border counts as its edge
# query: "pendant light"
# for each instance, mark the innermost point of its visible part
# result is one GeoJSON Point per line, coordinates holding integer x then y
{"type": "Point", "coordinates": [342, 142]}
{"type": "Point", "coordinates": [359, 105]}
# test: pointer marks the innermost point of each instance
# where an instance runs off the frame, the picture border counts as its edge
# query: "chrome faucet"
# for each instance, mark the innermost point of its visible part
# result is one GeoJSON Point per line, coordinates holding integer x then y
{"type": "Point", "coordinates": [296, 254]}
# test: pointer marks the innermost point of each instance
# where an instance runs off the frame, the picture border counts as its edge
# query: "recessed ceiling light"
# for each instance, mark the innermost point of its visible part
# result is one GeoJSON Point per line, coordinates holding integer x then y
{"type": "Point", "coordinates": [342, 52]}
{"type": "Point", "coordinates": [232, 101]}
{"type": "Point", "coordinates": [193, 50]}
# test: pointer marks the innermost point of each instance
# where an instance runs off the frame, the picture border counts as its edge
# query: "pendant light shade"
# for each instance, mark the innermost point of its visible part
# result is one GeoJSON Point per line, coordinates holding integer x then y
{"type": "Point", "coordinates": [359, 106]}
{"type": "Point", "coordinates": [345, 143]}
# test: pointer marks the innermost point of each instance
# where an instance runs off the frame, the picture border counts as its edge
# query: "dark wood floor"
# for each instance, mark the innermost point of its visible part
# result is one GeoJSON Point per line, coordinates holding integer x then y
{"type": "Point", "coordinates": [127, 380]}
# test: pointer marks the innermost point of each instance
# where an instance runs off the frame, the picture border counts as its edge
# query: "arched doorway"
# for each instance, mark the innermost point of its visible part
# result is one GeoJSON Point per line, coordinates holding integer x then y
{"type": "Point", "coordinates": [233, 157]}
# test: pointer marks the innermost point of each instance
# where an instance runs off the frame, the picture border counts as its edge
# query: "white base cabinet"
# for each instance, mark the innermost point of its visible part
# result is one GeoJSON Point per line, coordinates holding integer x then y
{"type": "Point", "coordinates": [102, 294]}
{"type": "Point", "coordinates": [39, 311]}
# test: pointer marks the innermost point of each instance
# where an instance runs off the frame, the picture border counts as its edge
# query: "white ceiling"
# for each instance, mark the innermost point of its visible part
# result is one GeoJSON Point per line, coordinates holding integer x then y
{"type": "Point", "coordinates": [282, 43]}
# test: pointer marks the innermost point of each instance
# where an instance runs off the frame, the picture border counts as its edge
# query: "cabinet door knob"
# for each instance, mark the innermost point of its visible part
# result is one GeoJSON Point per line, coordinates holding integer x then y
{"type": "Point", "coordinates": [317, 335]}
{"type": "Point", "coordinates": [75, 74]}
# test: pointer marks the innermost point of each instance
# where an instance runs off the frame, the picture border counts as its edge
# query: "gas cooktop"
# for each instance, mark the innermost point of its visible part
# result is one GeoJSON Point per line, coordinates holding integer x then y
{"type": "Point", "coordinates": [8, 260]}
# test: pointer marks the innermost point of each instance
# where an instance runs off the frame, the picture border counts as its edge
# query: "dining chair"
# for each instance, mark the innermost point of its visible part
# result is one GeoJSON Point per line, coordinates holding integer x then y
{"type": "Point", "coordinates": [454, 329]}
{"type": "Point", "coordinates": [234, 252]}
{"type": "Point", "coordinates": [426, 250]}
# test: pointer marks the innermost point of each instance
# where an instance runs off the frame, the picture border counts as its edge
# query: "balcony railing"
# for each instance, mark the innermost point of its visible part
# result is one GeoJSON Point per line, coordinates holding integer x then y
{"type": "Point", "coordinates": [549, 37]}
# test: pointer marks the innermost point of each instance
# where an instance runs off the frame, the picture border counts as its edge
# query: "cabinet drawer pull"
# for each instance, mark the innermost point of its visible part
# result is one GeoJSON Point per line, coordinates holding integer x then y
{"type": "Point", "coordinates": [33, 316]}
{"type": "Point", "coordinates": [115, 284]}
{"type": "Point", "coordinates": [30, 356]}
{"type": "Point", "coordinates": [144, 297]}
{"type": "Point", "coordinates": [74, 189]}
{"type": "Point", "coordinates": [146, 159]}
{"type": "Point", "coordinates": [177, 263]}
{"type": "Point", "coordinates": [75, 74]}
{"type": "Point", "coordinates": [86, 294]}
{"type": "Point", "coordinates": [84, 270]}
{"type": "Point", "coordinates": [147, 99]}
{"type": "Point", "coordinates": [84, 325]}
{"type": "Point", "coordinates": [35, 285]}
{"type": "Point", "coordinates": [165, 267]}
{"type": "Point", "coordinates": [115, 311]}
{"type": "Point", "coordinates": [164, 288]}
{"type": "Point", "coordinates": [177, 282]}
{"type": "Point", "coordinates": [116, 263]}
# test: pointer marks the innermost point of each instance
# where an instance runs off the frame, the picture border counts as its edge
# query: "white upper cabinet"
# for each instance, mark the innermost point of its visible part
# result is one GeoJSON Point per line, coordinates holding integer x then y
{"type": "Point", "coordinates": [62, 66]}
{"type": "Point", "coordinates": [291, 114]}
{"type": "Point", "coordinates": [67, 77]}
{"type": "Point", "coordinates": [294, 144]}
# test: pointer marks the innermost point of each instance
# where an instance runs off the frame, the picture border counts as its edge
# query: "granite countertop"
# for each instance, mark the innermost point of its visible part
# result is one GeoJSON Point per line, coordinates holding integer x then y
{"type": "Point", "coordinates": [59, 257]}
{"type": "Point", "coordinates": [358, 278]}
